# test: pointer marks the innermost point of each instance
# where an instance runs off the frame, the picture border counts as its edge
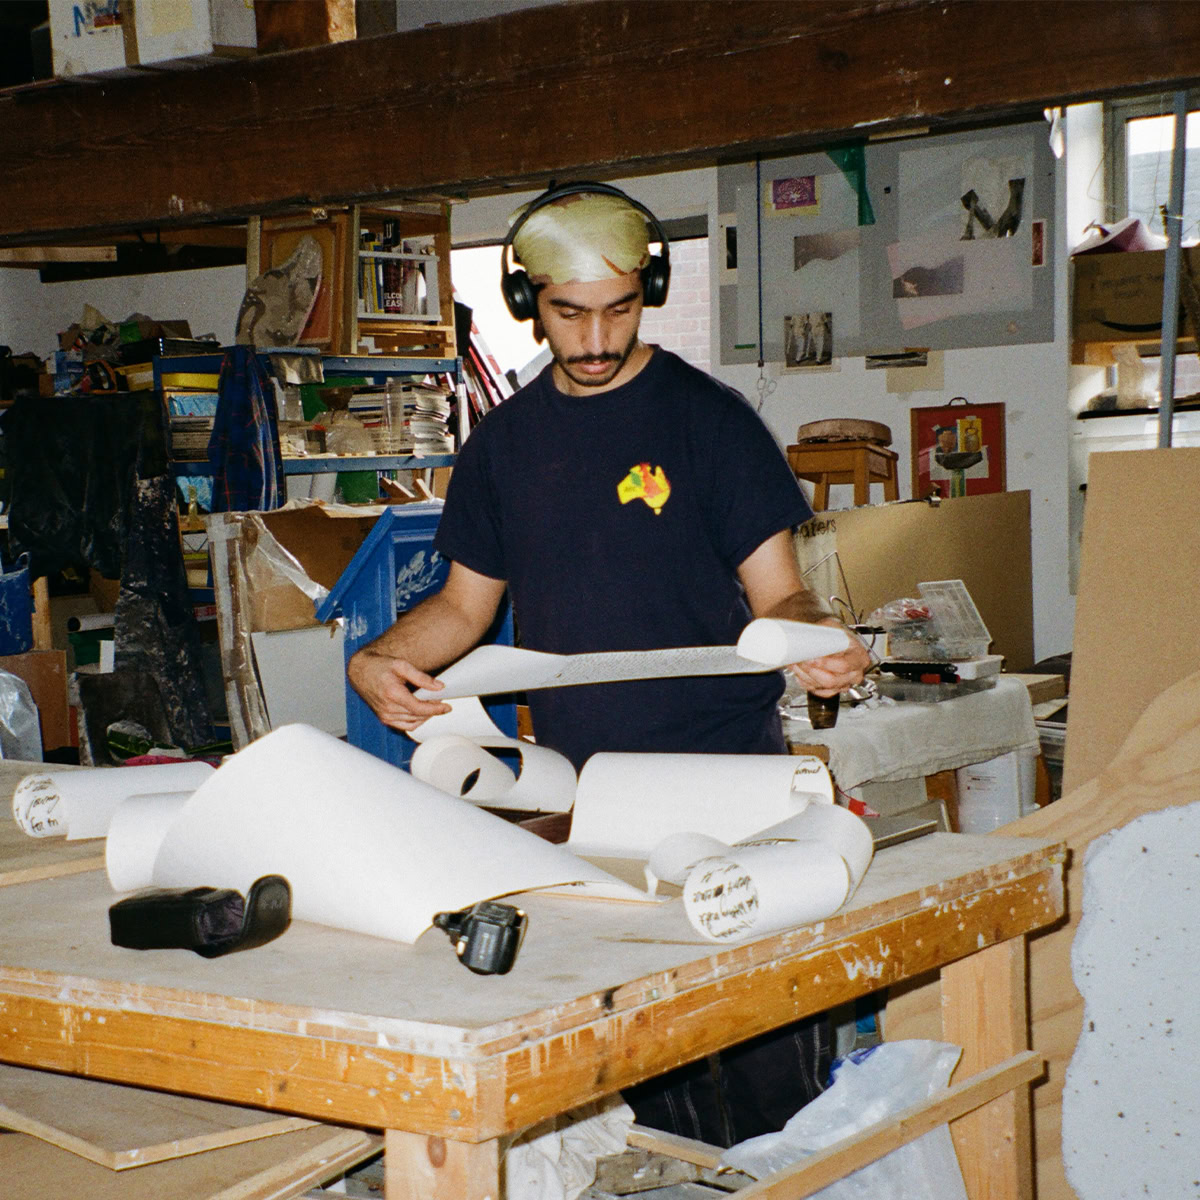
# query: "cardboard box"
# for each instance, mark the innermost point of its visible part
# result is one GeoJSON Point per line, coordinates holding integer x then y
{"type": "Point", "coordinates": [320, 540]}
{"type": "Point", "coordinates": [1119, 297]}
{"type": "Point", "coordinates": [885, 550]}
{"type": "Point", "coordinates": [89, 37]}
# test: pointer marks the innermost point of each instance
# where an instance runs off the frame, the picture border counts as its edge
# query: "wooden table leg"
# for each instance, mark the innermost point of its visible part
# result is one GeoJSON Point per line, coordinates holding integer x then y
{"type": "Point", "coordinates": [985, 1010]}
{"type": "Point", "coordinates": [419, 1166]}
{"type": "Point", "coordinates": [862, 480]}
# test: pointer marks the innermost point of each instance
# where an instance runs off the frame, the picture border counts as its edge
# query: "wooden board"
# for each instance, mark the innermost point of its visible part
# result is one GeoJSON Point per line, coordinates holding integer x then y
{"type": "Point", "coordinates": [322, 1022]}
{"type": "Point", "coordinates": [46, 673]}
{"type": "Point", "coordinates": [655, 85]}
{"type": "Point", "coordinates": [1135, 616]}
{"type": "Point", "coordinates": [23, 858]}
{"type": "Point", "coordinates": [278, 1168]}
{"type": "Point", "coordinates": [116, 1126]}
{"type": "Point", "coordinates": [1158, 766]}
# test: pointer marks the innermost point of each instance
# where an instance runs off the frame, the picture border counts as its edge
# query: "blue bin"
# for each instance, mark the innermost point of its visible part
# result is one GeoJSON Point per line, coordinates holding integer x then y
{"type": "Point", "coordinates": [395, 568]}
{"type": "Point", "coordinates": [16, 609]}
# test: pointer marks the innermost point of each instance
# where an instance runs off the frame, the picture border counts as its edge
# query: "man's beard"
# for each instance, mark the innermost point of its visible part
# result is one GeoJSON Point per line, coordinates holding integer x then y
{"type": "Point", "coordinates": [618, 359]}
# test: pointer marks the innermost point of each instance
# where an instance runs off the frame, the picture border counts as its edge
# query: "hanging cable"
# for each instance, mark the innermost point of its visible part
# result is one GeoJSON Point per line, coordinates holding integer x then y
{"type": "Point", "coordinates": [764, 386]}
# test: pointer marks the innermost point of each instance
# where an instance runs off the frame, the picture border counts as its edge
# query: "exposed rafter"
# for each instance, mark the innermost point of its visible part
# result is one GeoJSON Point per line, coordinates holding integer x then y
{"type": "Point", "coordinates": [599, 86]}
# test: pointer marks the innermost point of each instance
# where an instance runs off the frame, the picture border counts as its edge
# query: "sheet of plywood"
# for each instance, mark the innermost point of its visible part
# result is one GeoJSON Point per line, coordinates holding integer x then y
{"type": "Point", "coordinates": [45, 671]}
{"type": "Point", "coordinates": [1135, 615]}
{"type": "Point", "coordinates": [1157, 767]}
{"type": "Point", "coordinates": [118, 1127]}
{"type": "Point", "coordinates": [23, 858]}
{"type": "Point", "coordinates": [277, 1168]}
{"type": "Point", "coordinates": [887, 549]}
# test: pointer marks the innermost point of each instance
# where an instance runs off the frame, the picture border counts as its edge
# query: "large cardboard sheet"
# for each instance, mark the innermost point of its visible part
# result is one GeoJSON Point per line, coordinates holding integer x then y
{"type": "Point", "coordinates": [1135, 614]}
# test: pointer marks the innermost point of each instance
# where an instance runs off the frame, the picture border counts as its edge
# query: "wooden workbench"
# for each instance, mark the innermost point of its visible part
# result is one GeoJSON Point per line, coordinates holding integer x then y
{"type": "Point", "coordinates": [352, 1029]}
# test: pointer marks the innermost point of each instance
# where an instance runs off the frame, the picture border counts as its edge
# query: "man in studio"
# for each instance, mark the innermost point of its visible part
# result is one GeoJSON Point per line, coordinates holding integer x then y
{"type": "Point", "coordinates": [626, 501]}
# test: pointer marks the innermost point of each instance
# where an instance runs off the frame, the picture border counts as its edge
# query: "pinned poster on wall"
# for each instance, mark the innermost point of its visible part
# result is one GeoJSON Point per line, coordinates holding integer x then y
{"type": "Point", "coordinates": [958, 450]}
{"type": "Point", "coordinates": [936, 242]}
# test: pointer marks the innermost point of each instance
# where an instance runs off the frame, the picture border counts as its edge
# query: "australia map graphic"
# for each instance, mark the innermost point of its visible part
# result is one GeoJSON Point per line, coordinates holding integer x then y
{"type": "Point", "coordinates": [644, 484]}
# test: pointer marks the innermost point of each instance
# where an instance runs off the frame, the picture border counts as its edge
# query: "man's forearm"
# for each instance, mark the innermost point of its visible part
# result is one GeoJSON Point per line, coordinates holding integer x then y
{"type": "Point", "coordinates": [801, 605]}
{"type": "Point", "coordinates": [429, 636]}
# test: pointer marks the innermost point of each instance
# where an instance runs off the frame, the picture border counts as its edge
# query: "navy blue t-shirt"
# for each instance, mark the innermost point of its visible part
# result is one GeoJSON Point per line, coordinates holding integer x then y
{"type": "Point", "coordinates": [619, 521]}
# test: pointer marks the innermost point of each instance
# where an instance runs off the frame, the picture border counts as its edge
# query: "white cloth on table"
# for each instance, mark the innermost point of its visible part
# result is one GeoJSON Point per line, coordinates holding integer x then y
{"type": "Point", "coordinates": [914, 738]}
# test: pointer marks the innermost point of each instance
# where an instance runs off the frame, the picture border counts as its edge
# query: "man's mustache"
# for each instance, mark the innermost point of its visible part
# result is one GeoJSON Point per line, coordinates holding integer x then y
{"type": "Point", "coordinates": [608, 356]}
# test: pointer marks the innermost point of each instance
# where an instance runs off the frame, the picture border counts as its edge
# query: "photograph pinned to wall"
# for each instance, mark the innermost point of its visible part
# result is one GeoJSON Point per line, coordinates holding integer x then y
{"type": "Point", "coordinates": [795, 196]}
{"type": "Point", "coordinates": [824, 247]}
{"type": "Point", "coordinates": [958, 450]}
{"type": "Point", "coordinates": [807, 340]}
{"type": "Point", "coordinates": [727, 248]}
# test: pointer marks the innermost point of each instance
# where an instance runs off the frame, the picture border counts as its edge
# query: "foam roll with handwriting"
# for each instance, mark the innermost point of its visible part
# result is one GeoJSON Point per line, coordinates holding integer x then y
{"type": "Point", "coordinates": [80, 804]}
{"type": "Point", "coordinates": [801, 870]}
{"type": "Point", "coordinates": [364, 845]}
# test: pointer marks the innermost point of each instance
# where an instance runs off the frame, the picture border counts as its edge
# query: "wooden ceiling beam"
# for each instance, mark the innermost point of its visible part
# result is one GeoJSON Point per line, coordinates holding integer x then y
{"type": "Point", "coordinates": [597, 87]}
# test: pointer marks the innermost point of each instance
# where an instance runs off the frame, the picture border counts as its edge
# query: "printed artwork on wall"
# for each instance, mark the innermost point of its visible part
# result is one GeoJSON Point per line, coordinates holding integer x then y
{"type": "Point", "coordinates": [958, 449]}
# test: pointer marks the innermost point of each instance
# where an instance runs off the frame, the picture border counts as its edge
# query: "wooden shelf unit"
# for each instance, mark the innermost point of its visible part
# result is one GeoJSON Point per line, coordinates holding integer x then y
{"type": "Point", "coordinates": [343, 320]}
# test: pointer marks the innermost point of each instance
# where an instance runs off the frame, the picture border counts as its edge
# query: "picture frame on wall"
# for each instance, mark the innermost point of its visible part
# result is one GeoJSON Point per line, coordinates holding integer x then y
{"type": "Point", "coordinates": [958, 450]}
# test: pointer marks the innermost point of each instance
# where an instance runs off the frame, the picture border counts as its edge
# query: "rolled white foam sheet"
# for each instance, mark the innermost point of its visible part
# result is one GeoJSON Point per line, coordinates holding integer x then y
{"type": "Point", "coordinates": [79, 804]}
{"type": "Point", "coordinates": [135, 833]}
{"type": "Point", "coordinates": [627, 803]}
{"type": "Point", "coordinates": [779, 642]}
{"type": "Point", "coordinates": [798, 871]}
{"type": "Point", "coordinates": [364, 845]}
{"type": "Point", "coordinates": [460, 766]}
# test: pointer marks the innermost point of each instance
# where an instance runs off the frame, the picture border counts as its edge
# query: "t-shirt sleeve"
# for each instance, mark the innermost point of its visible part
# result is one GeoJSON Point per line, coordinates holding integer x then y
{"type": "Point", "coordinates": [755, 494]}
{"type": "Point", "coordinates": [469, 531]}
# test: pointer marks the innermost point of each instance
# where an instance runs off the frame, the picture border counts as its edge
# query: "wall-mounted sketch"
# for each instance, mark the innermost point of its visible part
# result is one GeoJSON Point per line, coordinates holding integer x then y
{"type": "Point", "coordinates": [960, 222]}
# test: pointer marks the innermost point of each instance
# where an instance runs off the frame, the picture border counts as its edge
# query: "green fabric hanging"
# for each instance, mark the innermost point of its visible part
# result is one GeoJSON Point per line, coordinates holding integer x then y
{"type": "Point", "coordinates": [852, 162]}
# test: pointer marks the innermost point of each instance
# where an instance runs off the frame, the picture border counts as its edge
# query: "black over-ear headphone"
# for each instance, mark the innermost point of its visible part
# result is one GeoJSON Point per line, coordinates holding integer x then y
{"type": "Point", "coordinates": [520, 292]}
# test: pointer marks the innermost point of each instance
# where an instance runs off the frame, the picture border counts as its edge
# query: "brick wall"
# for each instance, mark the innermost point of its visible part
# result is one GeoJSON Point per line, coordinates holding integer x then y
{"type": "Point", "coordinates": [682, 324]}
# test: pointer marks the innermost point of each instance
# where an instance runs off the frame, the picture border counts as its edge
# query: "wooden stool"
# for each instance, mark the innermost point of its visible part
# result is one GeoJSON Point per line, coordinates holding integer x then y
{"type": "Point", "coordinates": [860, 463]}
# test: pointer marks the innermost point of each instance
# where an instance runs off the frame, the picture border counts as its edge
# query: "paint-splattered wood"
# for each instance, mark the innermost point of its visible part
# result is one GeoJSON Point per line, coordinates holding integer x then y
{"type": "Point", "coordinates": [276, 1169]}
{"type": "Point", "coordinates": [329, 1024]}
{"type": "Point", "coordinates": [23, 858]}
{"type": "Point", "coordinates": [117, 1127]}
{"type": "Point", "coordinates": [1157, 767]}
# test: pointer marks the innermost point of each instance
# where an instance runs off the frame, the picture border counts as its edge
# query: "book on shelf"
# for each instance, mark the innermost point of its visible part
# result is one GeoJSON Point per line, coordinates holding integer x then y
{"type": "Point", "coordinates": [190, 417]}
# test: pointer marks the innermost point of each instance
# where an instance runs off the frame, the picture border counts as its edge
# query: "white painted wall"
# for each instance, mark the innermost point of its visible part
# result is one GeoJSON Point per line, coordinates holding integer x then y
{"type": "Point", "coordinates": [32, 313]}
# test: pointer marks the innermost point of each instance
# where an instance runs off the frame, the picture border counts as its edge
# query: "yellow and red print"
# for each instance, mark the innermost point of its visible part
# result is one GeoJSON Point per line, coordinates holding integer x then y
{"type": "Point", "coordinates": [643, 484]}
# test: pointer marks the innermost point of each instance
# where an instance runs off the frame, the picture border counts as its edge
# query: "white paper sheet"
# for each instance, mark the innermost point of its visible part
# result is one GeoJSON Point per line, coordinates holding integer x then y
{"type": "Point", "coordinates": [766, 644]}
{"type": "Point", "coordinates": [79, 804]}
{"type": "Point", "coordinates": [627, 803]}
{"type": "Point", "coordinates": [364, 846]}
{"type": "Point", "coordinates": [801, 870]}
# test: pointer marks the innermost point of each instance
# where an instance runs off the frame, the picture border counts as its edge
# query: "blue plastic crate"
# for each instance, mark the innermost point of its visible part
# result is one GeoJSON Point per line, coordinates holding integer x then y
{"type": "Point", "coordinates": [395, 568]}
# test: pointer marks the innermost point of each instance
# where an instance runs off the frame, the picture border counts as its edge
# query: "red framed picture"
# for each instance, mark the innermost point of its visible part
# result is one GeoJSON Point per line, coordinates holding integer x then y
{"type": "Point", "coordinates": [958, 450]}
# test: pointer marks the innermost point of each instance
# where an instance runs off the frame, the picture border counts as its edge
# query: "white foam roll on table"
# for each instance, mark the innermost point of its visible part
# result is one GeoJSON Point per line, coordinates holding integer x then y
{"type": "Point", "coordinates": [801, 870]}
{"type": "Point", "coordinates": [79, 804]}
{"type": "Point", "coordinates": [135, 833]}
{"type": "Point", "coordinates": [627, 803]}
{"type": "Point", "coordinates": [462, 767]}
{"type": "Point", "coordinates": [364, 845]}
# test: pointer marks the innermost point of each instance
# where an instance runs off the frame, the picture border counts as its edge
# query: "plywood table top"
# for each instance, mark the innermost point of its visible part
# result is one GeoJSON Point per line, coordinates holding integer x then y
{"type": "Point", "coordinates": [344, 1027]}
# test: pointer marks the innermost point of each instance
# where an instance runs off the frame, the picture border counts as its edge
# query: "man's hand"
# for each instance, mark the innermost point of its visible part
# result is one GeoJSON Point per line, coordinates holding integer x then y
{"type": "Point", "coordinates": [387, 683]}
{"type": "Point", "coordinates": [835, 672]}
